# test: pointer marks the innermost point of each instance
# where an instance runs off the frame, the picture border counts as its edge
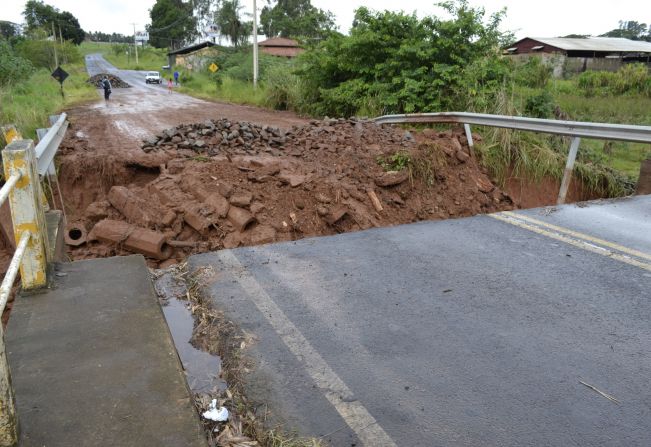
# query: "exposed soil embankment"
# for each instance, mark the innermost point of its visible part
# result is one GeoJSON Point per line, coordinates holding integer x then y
{"type": "Point", "coordinates": [221, 184]}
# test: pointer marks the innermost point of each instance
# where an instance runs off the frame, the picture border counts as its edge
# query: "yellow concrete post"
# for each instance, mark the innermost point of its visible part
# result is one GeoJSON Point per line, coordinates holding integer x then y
{"type": "Point", "coordinates": [26, 211]}
{"type": "Point", "coordinates": [8, 418]}
{"type": "Point", "coordinates": [10, 133]}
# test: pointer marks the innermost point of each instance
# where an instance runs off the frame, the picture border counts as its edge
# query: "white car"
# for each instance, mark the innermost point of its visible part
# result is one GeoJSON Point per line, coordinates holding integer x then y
{"type": "Point", "coordinates": [153, 77]}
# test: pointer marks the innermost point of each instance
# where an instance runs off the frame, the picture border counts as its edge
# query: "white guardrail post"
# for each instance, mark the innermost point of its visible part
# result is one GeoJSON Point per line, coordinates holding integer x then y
{"type": "Point", "coordinates": [26, 211]}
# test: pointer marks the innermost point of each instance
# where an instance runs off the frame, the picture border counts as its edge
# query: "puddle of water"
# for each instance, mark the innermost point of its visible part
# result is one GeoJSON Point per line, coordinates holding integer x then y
{"type": "Point", "coordinates": [201, 368]}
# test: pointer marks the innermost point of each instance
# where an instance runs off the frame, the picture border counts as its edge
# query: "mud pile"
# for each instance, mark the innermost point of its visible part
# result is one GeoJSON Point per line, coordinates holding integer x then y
{"type": "Point", "coordinates": [114, 80]}
{"type": "Point", "coordinates": [222, 185]}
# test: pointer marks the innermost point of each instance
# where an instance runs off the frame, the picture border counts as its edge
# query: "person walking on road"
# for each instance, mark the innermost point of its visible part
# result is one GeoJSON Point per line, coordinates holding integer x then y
{"type": "Point", "coordinates": [176, 77]}
{"type": "Point", "coordinates": [169, 85]}
{"type": "Point", "coordinates": [106, 85]}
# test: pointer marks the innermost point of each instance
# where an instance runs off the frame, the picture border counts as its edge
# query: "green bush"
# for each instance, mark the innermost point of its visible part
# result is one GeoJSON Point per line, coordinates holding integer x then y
{"type": "Point", "coordinates": [284, 89]}
{"type": "Point", "coordinates": [239, 65]}
{"type": "Point", "coordinates": [631, 78]}
{"type": "Point", "coordinates": [397, 63]}
{"type": "Point", "coordinates": [12, 68]}
{"type": "Point", "coordinates": [41, 53]}
{"type": "Point", "coordinates": [533, 73]}
{"type": "Point", "coordinates": [540, 105]}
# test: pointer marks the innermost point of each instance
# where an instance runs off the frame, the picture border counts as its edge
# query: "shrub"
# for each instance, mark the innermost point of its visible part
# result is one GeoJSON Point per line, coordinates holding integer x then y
{"type": "Point", "coordinates": [533, 73]}
{"type": "Point", "coordinates": [540, 105]}
{"type": "Point", "coordinates": [12, 68]}
{"type": "Point", "coordinates": [631, 78]}
{"type": "Point", "coordinates": [397, 63]}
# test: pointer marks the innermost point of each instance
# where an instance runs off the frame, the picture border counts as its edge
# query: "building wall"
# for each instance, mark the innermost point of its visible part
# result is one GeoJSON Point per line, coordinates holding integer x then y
{"type": "Point", "coordinates": [526, 46]}
{"type": "Point", "coordinates": [198, 59]}
{"type": "Point", "coordinates": [556, 61]}
{"type": "Point", "coordinates": [581, 64]}
{"type": "Point", "coordinates": [564, 65]}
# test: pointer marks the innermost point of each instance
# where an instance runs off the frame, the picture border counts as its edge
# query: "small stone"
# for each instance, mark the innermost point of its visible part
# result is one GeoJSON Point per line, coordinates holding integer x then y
{"type": "Point", "coordinates": [232, 240]}
{"type": "Point", "coordinates": [256, 207]}
{"type": "Point", "coordinates": [392, 178]}
{"type": "Point", "coordinates": [336, 214]}
{"type": "Point", "coordinates": [241, 199]}
{"type": "Point", "coordinates": [462, 156]}
{"type": "Point", "coordinates": [322, 211]}
{"type": "Point", "coordinates": [263, 234]}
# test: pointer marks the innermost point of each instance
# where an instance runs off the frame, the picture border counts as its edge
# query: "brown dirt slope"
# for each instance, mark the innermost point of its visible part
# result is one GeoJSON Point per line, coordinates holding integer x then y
{"type": "Point", "coordinates": [222, 184]}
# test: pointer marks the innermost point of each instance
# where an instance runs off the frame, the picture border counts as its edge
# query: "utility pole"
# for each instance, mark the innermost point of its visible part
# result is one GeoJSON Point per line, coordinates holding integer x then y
{"type": "Point", "coordinates": [255, 46]}
{"type": "Point", "coordinates": [54, 43]}
{"type": "Point", "coordinates": [135, 44]}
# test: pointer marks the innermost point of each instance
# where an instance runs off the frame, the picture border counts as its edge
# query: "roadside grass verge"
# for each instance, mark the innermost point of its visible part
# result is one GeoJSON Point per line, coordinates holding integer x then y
{"type": "Point", "coordinates": [94, 47]}
{"type": "Point", "coordinates": [28, 104]}
{"type": "Point", "coordinates": [507, 152]}
{"type": "Point", "coordinates": [205, 86]}
{"type": "Point", "coordinates": [148, 59]}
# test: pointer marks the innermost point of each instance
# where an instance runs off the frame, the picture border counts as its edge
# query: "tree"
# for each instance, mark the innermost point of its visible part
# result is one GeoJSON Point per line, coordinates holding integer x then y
{"type": "Point", "coordinates": [39, 15]}
{"type": "Point", "coordinates": [397, 63]}
{"type": "Point", "coordinates": [172, 24]}
{"type": "Point", "coordinates": [296, 18]}
{"type": "Point", "coordinates": [229, 23]}
{"type": "Point", "coordinates": [630, 29]}
{"type": "Point", "coordinates": [7, 29]}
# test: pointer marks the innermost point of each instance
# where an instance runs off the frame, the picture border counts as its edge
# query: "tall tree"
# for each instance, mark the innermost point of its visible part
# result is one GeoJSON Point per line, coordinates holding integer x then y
{"type": "Point", "coordinates": [296, 18]}
{"type": "Point", "coordinates": [630, 29]}
{"type": "Point", "coordinates": [172, 24]}
{"type": "Point", "coordinates": [38, 15]}
{"type": "Point", "coordinates": [230, 24]}
{"type": "Point", "coordinates": [7, 29]}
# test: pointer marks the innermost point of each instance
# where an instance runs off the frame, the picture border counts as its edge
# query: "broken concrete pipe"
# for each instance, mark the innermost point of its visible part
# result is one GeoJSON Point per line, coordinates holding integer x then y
{"type": "Point", "coordinates": [75, 234]}
{"type": "Point", "coordinates": [240, 218]}
{"type": "Point", "coordinates": [139, 240]}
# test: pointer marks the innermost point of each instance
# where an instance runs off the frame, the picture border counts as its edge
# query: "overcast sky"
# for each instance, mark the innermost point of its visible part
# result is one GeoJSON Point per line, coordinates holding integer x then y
{"type": "Point", "coordinates": [543, 19]}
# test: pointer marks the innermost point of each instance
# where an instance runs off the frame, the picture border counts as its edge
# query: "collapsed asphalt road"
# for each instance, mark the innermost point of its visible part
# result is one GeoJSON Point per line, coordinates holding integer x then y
{"type": "Point", "coordinates": [503, 330]}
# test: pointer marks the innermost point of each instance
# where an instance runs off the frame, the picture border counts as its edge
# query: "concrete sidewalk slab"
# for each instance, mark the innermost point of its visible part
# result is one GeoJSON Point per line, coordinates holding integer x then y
{"type": "Point", "coordinates": [93, 362]}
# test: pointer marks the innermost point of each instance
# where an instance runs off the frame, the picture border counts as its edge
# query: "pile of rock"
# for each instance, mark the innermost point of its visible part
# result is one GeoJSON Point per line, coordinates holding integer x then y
{"type": "Point", "coordinates": [223, 136]}
{"type": "Point", "coordinates": [114, 80]}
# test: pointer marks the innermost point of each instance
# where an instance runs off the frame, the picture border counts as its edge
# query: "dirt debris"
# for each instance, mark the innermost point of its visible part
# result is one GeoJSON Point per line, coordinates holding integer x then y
{"type": "Point", "coordinates": [221, 184]}
{"type": "Point", "coordinates": [115, 81]}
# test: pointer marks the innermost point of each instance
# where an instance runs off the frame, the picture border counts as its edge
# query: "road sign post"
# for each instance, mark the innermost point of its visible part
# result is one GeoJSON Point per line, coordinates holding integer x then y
{"type": "Point", "coordinates": [60, 75]}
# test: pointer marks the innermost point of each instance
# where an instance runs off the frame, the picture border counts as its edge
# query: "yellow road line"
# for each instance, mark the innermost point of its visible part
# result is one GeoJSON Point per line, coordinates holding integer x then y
{"type": "Point", "coordinates": [574, 242]}
{"type": "Point", "coordinates": [579, 235]}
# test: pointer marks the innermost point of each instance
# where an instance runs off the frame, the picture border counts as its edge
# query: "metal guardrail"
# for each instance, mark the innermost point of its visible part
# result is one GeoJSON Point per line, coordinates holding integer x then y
{"type": "Point", "coordinates": [47, 147]}
{"type": "Point", "coordinates": [23, 167]}
{"type": "Point", "coordinates": [574, 129]}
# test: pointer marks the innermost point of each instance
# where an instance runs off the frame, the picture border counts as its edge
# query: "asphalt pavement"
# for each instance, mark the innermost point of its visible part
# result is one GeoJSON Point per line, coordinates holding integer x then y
{"type": "Point", "coordinates": [517, 329]}
{"type": "Point", "coordinates": [96, 64]}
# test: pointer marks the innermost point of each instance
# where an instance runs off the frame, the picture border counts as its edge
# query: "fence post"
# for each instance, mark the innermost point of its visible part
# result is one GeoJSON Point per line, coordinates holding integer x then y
{"type": "Point", "coordinates": [26, 211]}
{"type": "Point", "coordinates": [8, 418]}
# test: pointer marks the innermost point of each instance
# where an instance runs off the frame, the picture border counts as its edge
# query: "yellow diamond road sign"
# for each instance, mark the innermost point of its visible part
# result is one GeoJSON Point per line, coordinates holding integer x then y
{"type": "Point", "coordinates": [213, 67]}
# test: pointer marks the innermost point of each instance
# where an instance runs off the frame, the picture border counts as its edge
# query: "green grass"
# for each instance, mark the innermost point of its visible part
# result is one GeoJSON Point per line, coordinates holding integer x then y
{"type": "Point", "coordinates": [149, 58]}
{"type": "Point", "coordinates": [617, 109]}
{"type": "Point", "coordinates": [94, 47]}
{"type": "Point", "coordinates": [28, 104]}
{"type": "Point", "coordinates": [204, 86]}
